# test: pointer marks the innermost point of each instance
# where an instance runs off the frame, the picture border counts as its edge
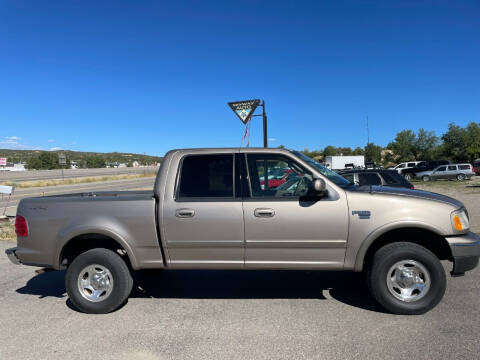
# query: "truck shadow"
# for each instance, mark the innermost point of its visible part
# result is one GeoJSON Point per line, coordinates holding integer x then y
{"type": "Point", "coordinates": [348, 288]}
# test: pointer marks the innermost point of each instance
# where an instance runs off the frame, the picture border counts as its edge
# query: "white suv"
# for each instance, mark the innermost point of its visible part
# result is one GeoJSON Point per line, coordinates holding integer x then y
{"type": "Point", "coordinates": [406, 165]}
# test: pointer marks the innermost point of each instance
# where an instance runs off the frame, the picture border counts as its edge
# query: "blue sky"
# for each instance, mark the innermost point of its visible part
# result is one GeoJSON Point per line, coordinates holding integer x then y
{"type": "Point", "coordinates": [140, 76]}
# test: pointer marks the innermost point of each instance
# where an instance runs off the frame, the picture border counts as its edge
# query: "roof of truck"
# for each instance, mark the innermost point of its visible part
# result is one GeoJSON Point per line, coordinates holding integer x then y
{"type": "Point", "coordinates": [234, 149]}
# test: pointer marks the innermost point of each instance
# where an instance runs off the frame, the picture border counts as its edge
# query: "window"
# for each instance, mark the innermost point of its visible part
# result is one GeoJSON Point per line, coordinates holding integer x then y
{"type": "Point", "coordinates": [389, 179]}
{"type": "Point", "coordinates": [369, 179]}
{"type": "Point", "coordinates": [206, 176]}
{"type": "Point", "coordinates": [349, 177]}
{"type": "Point", "coordinates": [452, 168]}
{"type": "Point", "coordinates": [277, 176]}
{"type": "Point", "coordinates": [464, 167]}
{"type": "Point", "coordinates": [411, 164]}
{"type": "Point", "coordinates": [442, 168]}
{"type": "Point", "coordinates": [401, 166]}
{"type": "Point", "coordinates": [329, 174]}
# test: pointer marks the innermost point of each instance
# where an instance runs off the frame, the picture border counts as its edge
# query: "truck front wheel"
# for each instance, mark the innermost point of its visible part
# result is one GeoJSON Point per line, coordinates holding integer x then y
{"type": "Point", "coordinates": [98, 281]}
{"type": "Point", "coordinates": [406, 278]}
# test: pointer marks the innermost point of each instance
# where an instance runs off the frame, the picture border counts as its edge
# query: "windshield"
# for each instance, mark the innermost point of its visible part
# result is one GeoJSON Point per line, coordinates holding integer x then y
{"type": "Point", "coordinates": [331, 175]}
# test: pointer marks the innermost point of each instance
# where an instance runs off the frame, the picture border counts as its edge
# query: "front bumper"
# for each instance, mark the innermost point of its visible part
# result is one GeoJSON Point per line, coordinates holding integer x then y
{"type": "Point", "coordinates": [465, 252]}
{"type": "Point", "coordinates": [12, 256]}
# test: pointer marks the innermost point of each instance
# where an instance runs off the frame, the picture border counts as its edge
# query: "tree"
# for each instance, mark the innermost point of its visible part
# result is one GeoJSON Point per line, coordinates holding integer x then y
{"type": "Point", "coordinates": [44, 161]}
{"type": "Point", "coordinates": [425, 144]}
{"type": "Point", "coordinates": [404, 145]}
{"type": "Point", "coordinates": [455, 143]}
{"type": "Point", "coordinates": [330, 150]}
{"type": "Point", "coordinates": [358, 151]}
{"type": "Point", "coordinates": [312, 154]}
{"type": "Point", "coordinates": [345, 151]}
{"type": "Point", "coordinates": [373, 153]}
{"type": "Point", "coordinates": [473, 141]}
{"type": "Point", "coordinates": [94, 161]}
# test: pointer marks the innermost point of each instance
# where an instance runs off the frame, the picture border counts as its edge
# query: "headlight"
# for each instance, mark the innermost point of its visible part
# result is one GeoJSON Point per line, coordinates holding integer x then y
{"type": "Point", "coordinates": [460, 220]}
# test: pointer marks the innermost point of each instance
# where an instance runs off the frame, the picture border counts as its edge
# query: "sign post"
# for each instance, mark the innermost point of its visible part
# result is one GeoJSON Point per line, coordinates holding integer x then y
{"type": "Point", "coordinates": [5, 190]}
{"type": "Point", "coordinates": [245, 109]}
{"type": "Point", "coordinates": [62, 160]}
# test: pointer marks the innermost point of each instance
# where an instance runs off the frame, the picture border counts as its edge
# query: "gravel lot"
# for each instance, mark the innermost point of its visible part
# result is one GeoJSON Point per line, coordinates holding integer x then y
{"type": "Point", "coordinates": [233, 315]}
{"type": "Point", "coordinates": [239, 315]}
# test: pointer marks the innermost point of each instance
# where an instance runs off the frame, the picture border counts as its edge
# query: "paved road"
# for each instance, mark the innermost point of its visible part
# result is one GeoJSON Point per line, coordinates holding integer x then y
{"type": "Point", "coordinates": [232, 315]}
{"type": "Point", "coordinates": [127, 184]}
{"type": "Point", "coordinates": [68, 173]}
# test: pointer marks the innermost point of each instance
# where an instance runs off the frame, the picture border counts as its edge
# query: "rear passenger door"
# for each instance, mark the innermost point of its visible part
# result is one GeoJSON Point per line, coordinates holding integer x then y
{"type": "Point", "coordinates": [203, 218]}
{"type": "Point", "coordinates": [451, 172]}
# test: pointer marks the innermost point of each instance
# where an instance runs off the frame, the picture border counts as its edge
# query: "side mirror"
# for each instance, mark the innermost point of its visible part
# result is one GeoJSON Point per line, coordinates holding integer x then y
{"type": "Point", "coordinates": [318, 187]}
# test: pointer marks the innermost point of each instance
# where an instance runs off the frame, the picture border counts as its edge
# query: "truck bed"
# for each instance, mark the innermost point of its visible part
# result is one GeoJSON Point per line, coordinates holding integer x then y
{"type": "Point", "coordinates": [128, 217]}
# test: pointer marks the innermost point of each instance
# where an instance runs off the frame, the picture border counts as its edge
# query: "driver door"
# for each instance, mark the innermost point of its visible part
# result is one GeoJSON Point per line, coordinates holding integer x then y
{"type": "Point", "coordinates": [283, 228]}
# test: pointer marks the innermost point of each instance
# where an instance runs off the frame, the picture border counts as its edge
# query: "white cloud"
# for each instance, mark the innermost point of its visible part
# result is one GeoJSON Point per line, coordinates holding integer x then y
{"type": "Point", "coordinates": [272, 139]}
{"type": "Point", "coordinates": [13, 143]}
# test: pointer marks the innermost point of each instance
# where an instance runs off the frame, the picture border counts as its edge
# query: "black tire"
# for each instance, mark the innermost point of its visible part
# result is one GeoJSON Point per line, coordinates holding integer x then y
{"type": "Point", "coordinates": [426, 178]}
{"type": "Point", "coordinates": [122, 281]}
{"type": "Point", "coordinates": [388, 256]}
{"type": "Point", "coordinates": [461, 177]}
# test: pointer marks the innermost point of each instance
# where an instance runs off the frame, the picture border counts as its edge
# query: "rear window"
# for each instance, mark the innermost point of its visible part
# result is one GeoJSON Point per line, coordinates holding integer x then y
{"type": "Point", "coordinates": [349, 177]}
{"type": "Point", "coordinates": [464, 167]}
{"type": "Point", "coordinates": [452, 168]}
{"type": "Point", "coordinates": [206, 176]}
{"type": "Point", "coordinates": [369, 179]}
{"type": "Point", "coordinates": [389, 179]}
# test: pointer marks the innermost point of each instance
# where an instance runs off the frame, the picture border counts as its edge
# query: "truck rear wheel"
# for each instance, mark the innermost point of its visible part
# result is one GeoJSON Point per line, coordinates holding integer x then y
{"type": "Point", "coordinates": [98, 281]}
{"type": "Point", "coordinates": [406, 278]}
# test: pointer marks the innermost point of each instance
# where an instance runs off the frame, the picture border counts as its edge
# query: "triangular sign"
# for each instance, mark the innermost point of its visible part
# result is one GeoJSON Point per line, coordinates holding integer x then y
{"type": "Point", "coordinates": [244, 109]}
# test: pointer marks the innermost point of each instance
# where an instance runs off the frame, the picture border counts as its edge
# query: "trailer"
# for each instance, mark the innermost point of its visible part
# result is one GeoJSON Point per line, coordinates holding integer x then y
{"type": "Point", "coordinates": [340, 162]}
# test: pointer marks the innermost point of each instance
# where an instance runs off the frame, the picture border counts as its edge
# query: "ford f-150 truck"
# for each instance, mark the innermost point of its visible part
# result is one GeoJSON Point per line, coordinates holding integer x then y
{"type": "Point", "coordinates": [209, 210]}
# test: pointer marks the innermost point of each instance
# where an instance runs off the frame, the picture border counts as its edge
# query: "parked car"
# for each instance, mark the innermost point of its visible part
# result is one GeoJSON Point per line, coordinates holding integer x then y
{"type": "Point", "coordinates": [277, 178]}
{"type": "Point", "coordinates": [406, 165]}
{"type": "Point", "coordinates": [411, 173]}
{"type": "Point", "coordinates": [380, 177]}
{"type": "Point", "coordinates": [452, 171]}
{"type": "Point", "coordinates": [207, 210]}
{"type": "Point", "coordinates": [476, 167]}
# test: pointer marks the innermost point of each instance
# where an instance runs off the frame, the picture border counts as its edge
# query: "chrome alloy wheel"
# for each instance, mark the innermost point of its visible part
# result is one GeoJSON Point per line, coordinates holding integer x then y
{"type": "Point", "coordinates": [408, 280]}
{"type": "Point", "coordinates": [95, 283]}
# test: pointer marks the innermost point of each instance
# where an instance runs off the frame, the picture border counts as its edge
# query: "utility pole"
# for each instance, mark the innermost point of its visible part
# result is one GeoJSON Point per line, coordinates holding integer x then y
{"type": "Point", "coordinates": [264, 115]}
{"type": "Point", "coordinates": [368, 133]}
{"type": "Point", "coordinates": [265, 125]}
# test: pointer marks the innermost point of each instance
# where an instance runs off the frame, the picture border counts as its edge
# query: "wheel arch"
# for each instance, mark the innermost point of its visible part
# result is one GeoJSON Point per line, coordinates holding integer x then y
{"type": "Point", "coordinates": [419, 234]}
{"type": "Point", "coordinates": [85, 240]}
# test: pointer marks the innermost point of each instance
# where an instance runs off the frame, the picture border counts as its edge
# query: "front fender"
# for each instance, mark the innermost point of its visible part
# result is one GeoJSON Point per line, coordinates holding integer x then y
{"type": "Point", "coordinates": [395, 225]}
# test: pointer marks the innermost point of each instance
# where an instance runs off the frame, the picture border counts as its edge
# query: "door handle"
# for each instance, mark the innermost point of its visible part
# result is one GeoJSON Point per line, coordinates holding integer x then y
{"type": "Point", "coordinates": [184, 213]}
{"type": "Point", "coordinates": [264, 212]}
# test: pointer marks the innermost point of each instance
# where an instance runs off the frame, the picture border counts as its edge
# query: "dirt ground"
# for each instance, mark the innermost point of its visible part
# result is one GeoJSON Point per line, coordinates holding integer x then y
{"type": "Point", "coordinates": [467, 192]}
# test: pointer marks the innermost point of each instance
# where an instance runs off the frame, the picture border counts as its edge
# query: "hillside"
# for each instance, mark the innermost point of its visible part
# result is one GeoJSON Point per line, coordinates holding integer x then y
{"type": "Point", "coordinates": [16, 156]}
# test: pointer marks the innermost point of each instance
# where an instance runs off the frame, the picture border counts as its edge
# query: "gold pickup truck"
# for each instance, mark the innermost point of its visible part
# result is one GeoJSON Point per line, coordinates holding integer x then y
{"type": "Point", "coordinates": [222, 209]}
